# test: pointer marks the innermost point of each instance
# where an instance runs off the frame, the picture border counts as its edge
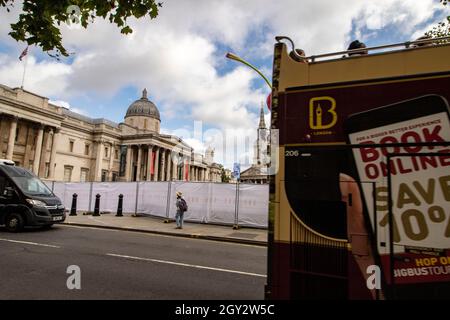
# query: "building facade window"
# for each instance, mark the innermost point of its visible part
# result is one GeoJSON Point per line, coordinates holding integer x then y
{"type": "Point", "coordinates": [106, 152]}
{"type": "Point", "coordinates": [68, 173]}
{"type": "Point", "coordinates": [104, 175]}
{"type": "Point", "coordinates": [145, 123]}
{"type": "Point", "coordinates": [17, 133]}
{"type": "Point", "coordinates": [86, 149]}
{"type": "Point", "coordinates": [84, 175]}
{"type": "Point", "coordinates": [114, 176]}
{"type": "Point", "coordinates": [116, 154]}
{"type": "Point", "coordinates": [47, 170]}
{"type": "Point", "coordinates": [71, 144]}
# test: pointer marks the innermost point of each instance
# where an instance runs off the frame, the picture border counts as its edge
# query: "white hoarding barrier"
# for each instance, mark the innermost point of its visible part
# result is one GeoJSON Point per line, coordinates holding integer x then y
{"type": "Point", "coordinates": [109, 196]}
{"type": "Point", "coordinates": [207, 202]}
{"type": "Point", "coordinates": [253, 205]}
{"type": "Point", "coordinates": [152, 198]}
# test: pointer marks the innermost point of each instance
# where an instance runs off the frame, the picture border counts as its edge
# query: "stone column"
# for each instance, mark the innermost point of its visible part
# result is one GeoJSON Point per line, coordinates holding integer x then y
{"type": "Point", "coordinates": [169, 166]}
{"type": "Point", "coordinates": [163, 164]}
{"type": "Point", "coordinates": [11, 138]}
{"type": "Point", "coordinates": [111, 160]}
{"type": "Point", "coordinates": [128, 164]}
{"type": "Point", "coordinates": [44, 158]}
{"type": "Point", "coordinates": [174, 170]}
{"type": "Point", "coordinates": [99, 161]}
{"type": "Point", "coordinates": [156, 165]}
{"type": "Point", "coordinates": [149, 162]}
{"type": "Point", "coordinates": [2, 128]}
{"type": "Point", "coordinates": [38, 149]}
{"type": "Point", "coordinates": [139, 163]}
{"type": "Point", "coordinates": [52, 169]}
{"type": "Point", "coordinates": [29, 146]}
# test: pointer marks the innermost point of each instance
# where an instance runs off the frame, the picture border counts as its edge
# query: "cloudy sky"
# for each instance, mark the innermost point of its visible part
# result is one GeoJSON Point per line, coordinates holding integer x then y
{"type": "Point", "coordinates": [180, 58]}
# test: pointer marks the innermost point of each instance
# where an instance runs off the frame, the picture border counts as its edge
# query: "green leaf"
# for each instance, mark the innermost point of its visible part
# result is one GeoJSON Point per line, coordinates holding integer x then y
{"type": "Point", "coordinates": [126, 30]}
{"type": "Point", "coordinates": [41, 20]}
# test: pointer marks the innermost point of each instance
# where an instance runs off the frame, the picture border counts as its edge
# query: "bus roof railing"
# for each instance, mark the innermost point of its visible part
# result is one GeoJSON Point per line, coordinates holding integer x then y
{"type": "Point", "coordinates": [407, 44]}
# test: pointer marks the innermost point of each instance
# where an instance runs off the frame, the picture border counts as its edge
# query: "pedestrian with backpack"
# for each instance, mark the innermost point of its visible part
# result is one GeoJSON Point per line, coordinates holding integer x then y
{"type": "Point", "coordinates": [181, 209]}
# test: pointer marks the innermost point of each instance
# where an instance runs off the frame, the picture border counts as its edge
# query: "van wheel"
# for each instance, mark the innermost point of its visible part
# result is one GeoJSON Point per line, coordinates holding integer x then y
{"type": "Point", "coordinates": [14, 222]}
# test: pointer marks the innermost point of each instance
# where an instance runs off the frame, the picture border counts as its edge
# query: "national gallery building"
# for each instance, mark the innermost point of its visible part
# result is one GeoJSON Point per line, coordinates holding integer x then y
{"type": "Point", "coordinates": [61, 145]}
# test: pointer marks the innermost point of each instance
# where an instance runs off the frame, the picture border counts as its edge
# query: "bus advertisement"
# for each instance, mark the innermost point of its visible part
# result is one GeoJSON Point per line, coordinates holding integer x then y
{"type": "Point", "coordinates": [360, 204]}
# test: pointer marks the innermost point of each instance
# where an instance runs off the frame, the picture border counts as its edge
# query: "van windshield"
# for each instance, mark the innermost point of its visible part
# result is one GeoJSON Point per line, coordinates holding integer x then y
{"type": "Point", "coordinates": [32, 186]}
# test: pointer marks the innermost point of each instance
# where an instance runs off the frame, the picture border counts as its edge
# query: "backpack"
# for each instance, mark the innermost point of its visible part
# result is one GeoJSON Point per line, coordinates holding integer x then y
{"type": "Point", "coordinates": [183, 205]}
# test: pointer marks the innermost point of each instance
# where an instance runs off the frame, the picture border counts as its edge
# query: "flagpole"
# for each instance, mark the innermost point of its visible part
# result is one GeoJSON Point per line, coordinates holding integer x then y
{"type": "Point", "coordinates": [24, 69]}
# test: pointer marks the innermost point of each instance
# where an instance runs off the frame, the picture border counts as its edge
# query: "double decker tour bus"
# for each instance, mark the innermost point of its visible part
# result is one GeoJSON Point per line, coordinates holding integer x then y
{"type": "Point", "coordinates": [360, 202]}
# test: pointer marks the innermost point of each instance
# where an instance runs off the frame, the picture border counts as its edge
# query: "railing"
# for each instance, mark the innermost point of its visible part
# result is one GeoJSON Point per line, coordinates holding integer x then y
{"type": "Point", "coordinates": [406, 45]}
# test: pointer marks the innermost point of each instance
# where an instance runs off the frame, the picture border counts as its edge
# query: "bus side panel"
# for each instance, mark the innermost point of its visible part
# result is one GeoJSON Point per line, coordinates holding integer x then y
{"type": "Point", "coordinates": [317, 115]}
{"type": "Point", "coordinates": [280, 284]}
{"type": "Point", "coordinates": [315, 118]}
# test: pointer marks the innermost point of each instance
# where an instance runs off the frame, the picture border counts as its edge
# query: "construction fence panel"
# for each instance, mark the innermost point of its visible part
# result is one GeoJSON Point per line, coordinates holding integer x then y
{"type": "Point", "coordinates": [152, 198]}
{"type": "Point", "coordinates": [196, 195]}
{"type": "Point", "coordinates": [208, 202]}
{"type": "Point", "coordinates": [223, 203]}
{"type": "Point", "coordinates": [253, 205]}
{"type": "Point", "coordinates": [66, 190]}
{"type": "Point", "coordinates": [109, 196]}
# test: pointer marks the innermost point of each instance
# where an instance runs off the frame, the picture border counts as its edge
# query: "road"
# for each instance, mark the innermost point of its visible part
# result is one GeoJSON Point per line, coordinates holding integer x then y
{"type": "Point", "coordinates": [127, 265]}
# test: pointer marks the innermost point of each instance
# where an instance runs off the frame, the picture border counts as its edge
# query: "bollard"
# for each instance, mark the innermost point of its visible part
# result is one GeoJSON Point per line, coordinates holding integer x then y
{"type": "Point", "coordinates": [120, 206]}
{"type": "Point", "coordinates": [97, 206]}
{"type": "Point", "coordinates": [73, 209]}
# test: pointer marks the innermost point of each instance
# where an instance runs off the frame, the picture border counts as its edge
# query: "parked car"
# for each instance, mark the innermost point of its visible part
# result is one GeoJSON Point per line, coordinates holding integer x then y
{"type": "Point", "coordinates": [26, 201]}
{"type": "Point", "coordinates": [7, 162]}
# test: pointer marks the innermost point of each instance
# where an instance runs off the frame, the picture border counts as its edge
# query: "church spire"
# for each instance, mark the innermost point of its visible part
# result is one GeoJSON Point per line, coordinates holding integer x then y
{"type": "Point", "coordinates": [262, 123]}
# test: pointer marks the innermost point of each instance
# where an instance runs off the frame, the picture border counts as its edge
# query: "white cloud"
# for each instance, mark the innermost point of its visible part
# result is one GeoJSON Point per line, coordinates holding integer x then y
{"type": "Point", "coordinates": [46, 78]}
{"type": "Point", "coordinates": [197, 145]}
{"type": "Point", "coordinates": [405, 14]}
{"type": "Point", "coordinates": [65, 104]}
{"type": "Point", "coordinates": [60, 103]}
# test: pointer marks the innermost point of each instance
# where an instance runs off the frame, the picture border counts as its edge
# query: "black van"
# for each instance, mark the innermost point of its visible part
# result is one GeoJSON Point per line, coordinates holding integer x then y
{"type": "Point", "coordinates": [26, 201]}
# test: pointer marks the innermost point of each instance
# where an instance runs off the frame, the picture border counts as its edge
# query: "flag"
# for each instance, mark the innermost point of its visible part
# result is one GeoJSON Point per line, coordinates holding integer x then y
{"type": "Point", "coordinates": [237, 170]}
{"type": "Point", "coordinates": [23, 54]}
{"type": "Point", "coordinates": [152, 162]}
{"type": "Point", "coordinates": [186, 171]}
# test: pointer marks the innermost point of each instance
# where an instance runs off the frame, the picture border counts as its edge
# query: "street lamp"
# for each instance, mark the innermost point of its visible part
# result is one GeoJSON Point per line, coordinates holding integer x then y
{"type": "Point", "coordinates": [232, 56]}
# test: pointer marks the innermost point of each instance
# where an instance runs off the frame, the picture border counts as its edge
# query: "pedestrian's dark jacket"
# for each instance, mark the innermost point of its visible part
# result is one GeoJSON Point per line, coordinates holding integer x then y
{"type": "Point", "coordinates": [178, 204]}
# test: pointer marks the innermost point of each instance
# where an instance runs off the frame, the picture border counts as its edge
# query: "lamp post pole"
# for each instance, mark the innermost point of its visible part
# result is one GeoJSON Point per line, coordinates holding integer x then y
{"type": "Point", "coordinates": [236, 58]}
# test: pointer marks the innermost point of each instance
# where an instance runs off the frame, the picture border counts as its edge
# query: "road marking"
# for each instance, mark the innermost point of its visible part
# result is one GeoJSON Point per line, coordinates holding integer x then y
{"type": "Point", "coordinates": [186, 265]}
{"type": "Point", "coordinates": [31, 243]}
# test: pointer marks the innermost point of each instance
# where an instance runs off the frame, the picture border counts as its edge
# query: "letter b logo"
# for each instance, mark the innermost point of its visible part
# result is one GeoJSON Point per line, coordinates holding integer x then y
{"type": "Point", "coordinates": [322, 113]}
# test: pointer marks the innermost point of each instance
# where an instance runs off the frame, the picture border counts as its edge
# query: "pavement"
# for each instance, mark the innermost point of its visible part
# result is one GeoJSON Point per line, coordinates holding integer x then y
{"type": "Point", "coordinates": [155, 225]}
